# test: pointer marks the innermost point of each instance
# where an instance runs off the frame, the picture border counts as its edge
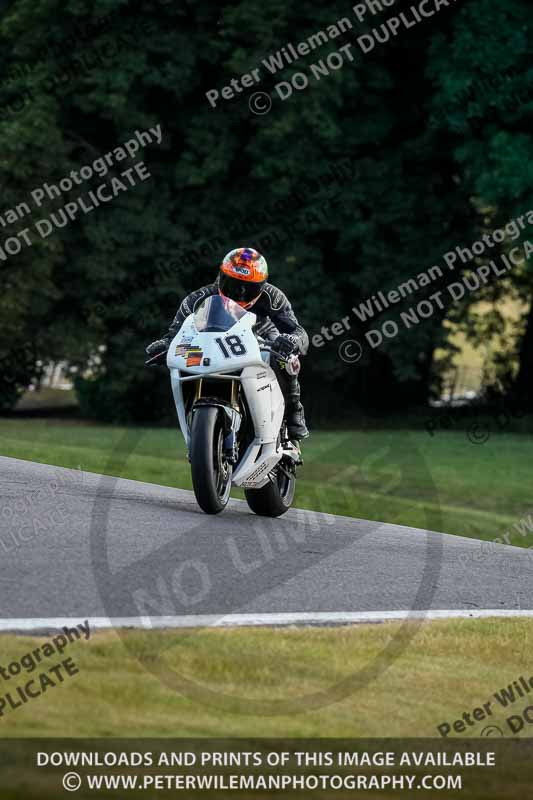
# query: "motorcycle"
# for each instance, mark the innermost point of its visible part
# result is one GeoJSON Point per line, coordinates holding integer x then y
{"type": "Point", "coordinates": [231, 410]}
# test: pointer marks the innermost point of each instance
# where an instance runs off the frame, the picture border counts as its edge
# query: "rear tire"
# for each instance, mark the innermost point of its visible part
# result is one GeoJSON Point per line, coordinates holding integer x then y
{"type": "Point", "coordinates": [274, 499]}
{"type": "Point", "coordinates": [211, 473]}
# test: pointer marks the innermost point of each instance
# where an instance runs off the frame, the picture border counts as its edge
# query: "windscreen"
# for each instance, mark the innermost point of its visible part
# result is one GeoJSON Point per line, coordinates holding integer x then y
{"type": "Point", "coordinates": [218, 314]}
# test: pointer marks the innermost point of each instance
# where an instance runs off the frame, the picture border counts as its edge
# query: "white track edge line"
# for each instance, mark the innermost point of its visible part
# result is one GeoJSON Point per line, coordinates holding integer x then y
{"type": "Point", "coordinates": [255, 620]}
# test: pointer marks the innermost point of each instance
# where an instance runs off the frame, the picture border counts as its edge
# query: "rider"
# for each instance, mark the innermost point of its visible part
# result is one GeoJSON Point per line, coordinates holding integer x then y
{"type": "Point", "coordinates": [243, 279]}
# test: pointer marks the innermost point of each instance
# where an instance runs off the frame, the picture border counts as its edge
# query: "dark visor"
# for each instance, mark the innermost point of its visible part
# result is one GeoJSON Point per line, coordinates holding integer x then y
{"type": "Point", "coordinates": [240, 291]}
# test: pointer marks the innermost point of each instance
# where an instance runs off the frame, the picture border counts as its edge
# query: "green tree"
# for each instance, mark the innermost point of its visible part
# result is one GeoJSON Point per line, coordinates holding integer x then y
{"type": "Point", "coordinates": [352, 186]}
{"type": "Point", "coordinates": [483, 103]}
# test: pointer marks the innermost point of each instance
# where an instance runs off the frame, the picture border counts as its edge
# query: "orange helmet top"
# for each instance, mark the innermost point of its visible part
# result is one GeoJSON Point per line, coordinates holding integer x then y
{"type": "Point", "coordinates": [243, 273]}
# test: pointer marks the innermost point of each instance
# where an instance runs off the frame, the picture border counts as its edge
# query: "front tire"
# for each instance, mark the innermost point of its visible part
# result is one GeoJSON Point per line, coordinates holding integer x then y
{"type": "Point", "coordinates": [275, 498]}
{"type": "Point", "coordinates": [211, 472]}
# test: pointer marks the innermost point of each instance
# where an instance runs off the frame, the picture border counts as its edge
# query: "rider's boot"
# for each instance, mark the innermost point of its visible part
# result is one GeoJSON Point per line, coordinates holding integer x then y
{"type": "Point", "coordinates": [294, 412]}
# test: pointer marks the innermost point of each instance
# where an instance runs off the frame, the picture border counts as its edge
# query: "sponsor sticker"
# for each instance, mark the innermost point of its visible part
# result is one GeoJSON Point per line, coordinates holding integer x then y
{"type": "Point", "coordinates": [193, 354]}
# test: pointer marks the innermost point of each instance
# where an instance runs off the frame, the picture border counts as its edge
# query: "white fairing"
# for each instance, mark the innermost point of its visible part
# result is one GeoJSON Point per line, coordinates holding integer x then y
{"type": "Point", "coordinates": [209, 353]}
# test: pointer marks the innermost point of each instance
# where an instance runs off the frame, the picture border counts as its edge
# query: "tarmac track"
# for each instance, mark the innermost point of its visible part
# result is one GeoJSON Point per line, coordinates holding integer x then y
{"type": "Point", "coordinates": [76, 546]}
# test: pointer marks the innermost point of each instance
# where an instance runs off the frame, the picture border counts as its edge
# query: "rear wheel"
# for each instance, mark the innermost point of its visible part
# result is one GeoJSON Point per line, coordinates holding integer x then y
{"type": "Point", "coordinates": [277, 496]}
{"type": "Point", "coordinates": [211, 472]}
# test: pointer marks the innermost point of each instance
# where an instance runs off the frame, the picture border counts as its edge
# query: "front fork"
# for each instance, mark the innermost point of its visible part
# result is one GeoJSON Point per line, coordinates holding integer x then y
{"type": "Point", "coordinates": [232, 419]}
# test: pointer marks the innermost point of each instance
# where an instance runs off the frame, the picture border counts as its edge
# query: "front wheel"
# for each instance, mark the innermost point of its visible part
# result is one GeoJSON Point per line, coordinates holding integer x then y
{"type": "Point", "coordinates": [211, 472]}
{"type": "Point", "coordinates": [276, 497]}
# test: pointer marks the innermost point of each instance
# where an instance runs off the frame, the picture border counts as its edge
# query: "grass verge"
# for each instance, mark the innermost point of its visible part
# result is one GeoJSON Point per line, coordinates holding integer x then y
{"type": "Point", "coordinates": [122, 689]}
{"type": "Point", "coordinates": [441, 481]}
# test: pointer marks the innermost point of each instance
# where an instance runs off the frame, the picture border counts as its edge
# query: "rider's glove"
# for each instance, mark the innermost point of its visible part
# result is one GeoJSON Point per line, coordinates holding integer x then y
{"type": "Point", "coordinates": [161, 346]}
{"type": "Point", "coordinates": [285, 345]}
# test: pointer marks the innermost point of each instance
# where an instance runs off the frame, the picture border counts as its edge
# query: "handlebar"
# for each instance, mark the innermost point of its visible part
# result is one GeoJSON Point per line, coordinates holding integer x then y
{"type": "Point", "coordinates": [292, 367]}
{"type": "Point", "coordinates": [268, 349]}
{"type": "Point", "coordinates": [155, 361]}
